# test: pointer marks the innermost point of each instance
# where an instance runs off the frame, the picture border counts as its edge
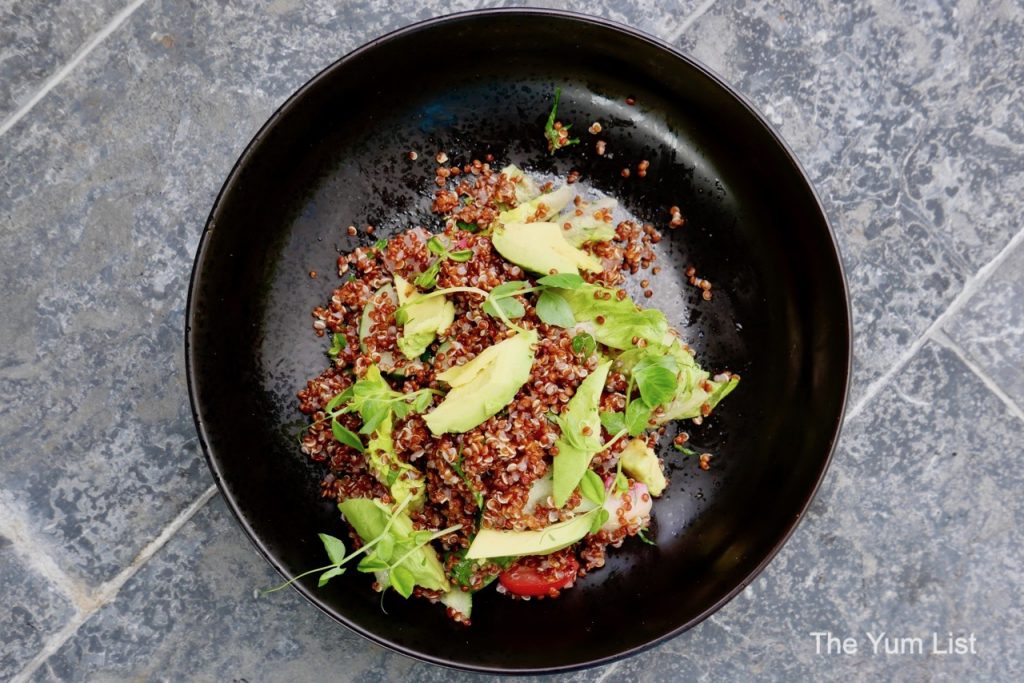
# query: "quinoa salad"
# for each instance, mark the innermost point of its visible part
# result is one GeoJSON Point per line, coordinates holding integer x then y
{"type": "Point", "coordinates": [494, 397]}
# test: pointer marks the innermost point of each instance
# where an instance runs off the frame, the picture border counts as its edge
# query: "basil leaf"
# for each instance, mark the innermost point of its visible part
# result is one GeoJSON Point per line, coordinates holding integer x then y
{"type": "Point", "coordinates": [428, 278]}
{"type": "Point", "coordinates": [372, 563]}
{"type": "Point", "coordinates": [339, 399]}
{"type": "Point", "coordinates": [338, 342]}
{"type": "Point", "coordinates": [402, 581]}
{"type": "Point", "coordinates": [421, 537]}
{"type": "Point", "coordinates": [373, 412]}
{"type": "Point", "coordinates": [506, 288]}
{"type": "Point", "coordinates": [334, 546]}
{"type": "Point", "coordinates": [380, 244]}
{"type": "Point", "coordinates": [637, 416]}
{"type": "Point", "coordinates": [583, 344]}
{"type": "Point", "coordinates": [562, 280]}
{"type": "Point", "coordinates": [592, 487]}
{"type": "Point", "coordinates": [435, 247]}
{"type": "Point", "coordinates": [613, 422]}
{"type": "Point", "coordinates": [346, 436]}
{"type": "Point", "coordinates": [509, 306]}
{"type": "Point", "coordinates": [656, 379]}
{"type": "Point", "coordinates": [468, 227]}
{"type": "Point", "coordinates": [328, 575]}
{"type": "Point", "coordinates": [461, 256]}
{"type": "Point", "coordinates": [422, 402]}
{"type": "Point", "coordinates": [600, 517]}
{"type": "Point", "coordinates": [554, 310]}
{"type": "Point", "coordinates": [385, 548]}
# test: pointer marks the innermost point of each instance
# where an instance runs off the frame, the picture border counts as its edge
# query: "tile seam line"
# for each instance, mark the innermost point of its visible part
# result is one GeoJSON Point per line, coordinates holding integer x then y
{"type": "Point", "coordinates": [971, 287]}
{"type": "Point", "coordinates": [40, 561]}
{"type": "Point", "coordinates": [690, 20]}
{"type": "Point", "coordinates": [60, 74]}
{"type": "Point", "coordinates": [106, 593]}
{"type": "Point", "coordinates": [943, 339]}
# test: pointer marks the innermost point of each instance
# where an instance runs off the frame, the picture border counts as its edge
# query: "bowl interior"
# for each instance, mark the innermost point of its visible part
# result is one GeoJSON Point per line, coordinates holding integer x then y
{"type": "Point", "coordinates": [337, 155]}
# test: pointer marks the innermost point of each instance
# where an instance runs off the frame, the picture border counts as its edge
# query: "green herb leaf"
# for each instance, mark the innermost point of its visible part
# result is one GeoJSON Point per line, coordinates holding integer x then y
{"type": "Point", "coordinates": [508, 288]}
{"type": "Point", "coordinates": [637, 416]}
{"type": "Point", "coordinates": [334, 546]}
{"type": "Point", "coordinates": [385, 548]}
{"type": "Point", "coordinates": [562, 280]}
{"type": "Point", "coordinates": [428, 278]}
{"type": "Point", "coordinates": [584, 345]}
{"type": "Point", "coordinates": [338, 342]}
{"type": "Point", "coordinates": [380, 245]}
{"type": "Point", "coordinates": [685, 450]}
{"type": "Point", "coordinates": [328, 575]}
{"type": "Point", "coordinates": [371, 563]}
{"type": "Point", "coordinates": [422, 536]}
{"type": "Point", "coordinates": [338, 400]}
{"type": "Point", "coordinates": [373, 412]}
{"type": "Point", "coordinates": [554, 310]}
{"type": "Point", "coordinates": [592, 487]}
{"type": "Point", "coordinates": [461, 256]}
{"type": "Point", "coordinates": [422, 401]}
{"type": "Point", "coordinates": [600, 517]}
{"type": "Point", "coordinates": [613, 422]}
{"type": "Point", "coordinates": [643, 537]}
{"type": "Point", "coordinates": [436, 247]}
{"type": "Point", "coordinates": [346, 436]}
{"type": "Point", "coordinates": [551, 133]}
{"type": "Point", "coordinates": [655, 377]}
{"type": "Point", "coordinates": [509, 306]}
{"type": "Point", "coordinates": [468, 227]}
{"type": "Point", "coordinates": [402, 581]}
{"type": "Point", "coordinates": [621, 483]}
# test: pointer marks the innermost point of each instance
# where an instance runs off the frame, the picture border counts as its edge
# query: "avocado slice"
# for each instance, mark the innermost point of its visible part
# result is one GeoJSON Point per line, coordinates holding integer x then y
{"type": "Point", "coordinates": [401, 478]}
{"type": "Point", "coordinates": [586, 228]}
{"type": "Point", "coordinates": [575, 451]}
{"type": "Point", "coordinates": [495, 543]}
{"type": "Point", "coordinates": [484, 385]}
{"type": "Point", "coordinates": [553, 203]}
{"type": "Point", "coordinates": [387, 359]}
{"type": "Point", "coordinates": [422, 320]}
{"type": "Point", "coordinates": [541, 248]}
{"type": "Point", "coordinates": [526, 189]}
{"type": "Point", "coordinates": [641, 463]}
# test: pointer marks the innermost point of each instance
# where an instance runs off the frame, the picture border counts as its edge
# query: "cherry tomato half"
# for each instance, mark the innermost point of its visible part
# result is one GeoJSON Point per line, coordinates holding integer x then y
{"type": "Point", "coordinates": [526, 580]}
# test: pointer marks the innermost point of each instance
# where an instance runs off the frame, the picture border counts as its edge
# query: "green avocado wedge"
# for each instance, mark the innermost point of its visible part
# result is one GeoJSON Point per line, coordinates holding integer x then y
{"type": "Point", "coordinates": [541, 248]}
{"type": "Point", "coordinates": [575, 450]}
{"type": "Point", "coordinates": [495, 543]}
{"type": "Point", "coordinates": [484, 385]}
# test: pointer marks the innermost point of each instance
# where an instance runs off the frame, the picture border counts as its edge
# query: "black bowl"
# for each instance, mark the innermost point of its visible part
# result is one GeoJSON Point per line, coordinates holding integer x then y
{"type": "Point", "coordinates": [471, 84]}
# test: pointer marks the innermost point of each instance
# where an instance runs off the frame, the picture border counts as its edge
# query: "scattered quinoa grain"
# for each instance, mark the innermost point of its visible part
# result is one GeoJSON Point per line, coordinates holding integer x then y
{"type": "Point", "coordinates": [595, 128]}
{"type": "Point", "coordinates": [625, 173]}
{"type": "Point", "coordinates": [352, 231]}
{"type": "Point", "coordinates": [441, 158]}
{"type": "Point", "coordinates": [705, 461]}
{"type": "Point", "coordinates": [600, 147]}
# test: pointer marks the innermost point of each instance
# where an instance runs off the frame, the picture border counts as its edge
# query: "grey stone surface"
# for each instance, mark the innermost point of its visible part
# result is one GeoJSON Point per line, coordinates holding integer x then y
{"type": "Point", "coordinates": [916, 531]}
{"type": "Point", "coordinates": [990, 327]}
{"type": "Point", "coordinates": [907, 117]}
{"type": "Point", "coordinates": [33, 609]}
{"type": "Point", "coordinates": [38, 37]}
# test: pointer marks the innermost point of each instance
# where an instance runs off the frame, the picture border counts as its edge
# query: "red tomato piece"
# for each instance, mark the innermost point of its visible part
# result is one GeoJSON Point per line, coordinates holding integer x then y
{"type": "Point", "coordinates": [526, 580]}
